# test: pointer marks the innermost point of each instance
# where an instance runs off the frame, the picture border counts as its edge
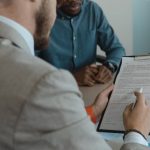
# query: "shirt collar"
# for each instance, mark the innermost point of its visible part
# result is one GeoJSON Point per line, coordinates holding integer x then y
{"type": "Point", "coordinates": [24, 33]}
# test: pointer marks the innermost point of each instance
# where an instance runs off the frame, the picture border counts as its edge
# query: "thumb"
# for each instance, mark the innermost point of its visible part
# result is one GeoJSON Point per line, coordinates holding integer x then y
{"type": "Point", "coordinates": [140, 99]}
{"type": "Point", "coordinates": [107, 91]}
{"type": "Point", "coordinates": [93, 65]}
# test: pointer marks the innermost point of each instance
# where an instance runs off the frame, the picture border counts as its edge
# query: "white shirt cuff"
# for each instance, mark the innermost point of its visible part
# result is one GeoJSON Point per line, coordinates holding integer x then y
{"type": "Point", "coordinates": [134, 137]}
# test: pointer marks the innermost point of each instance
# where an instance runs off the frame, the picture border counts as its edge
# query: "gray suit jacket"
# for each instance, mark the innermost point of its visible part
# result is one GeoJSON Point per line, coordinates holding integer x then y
{"type": "Point", "coordinates": [41, 107]}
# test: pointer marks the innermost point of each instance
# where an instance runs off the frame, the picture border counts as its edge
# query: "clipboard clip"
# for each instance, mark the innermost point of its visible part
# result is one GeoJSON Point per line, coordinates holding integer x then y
{"type": "Point", "coordinates": [142, 57]}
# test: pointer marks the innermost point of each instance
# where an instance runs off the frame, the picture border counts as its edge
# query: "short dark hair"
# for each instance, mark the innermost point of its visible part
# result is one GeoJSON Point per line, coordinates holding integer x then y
{"type": "Point", "coordinates": [6, 2]}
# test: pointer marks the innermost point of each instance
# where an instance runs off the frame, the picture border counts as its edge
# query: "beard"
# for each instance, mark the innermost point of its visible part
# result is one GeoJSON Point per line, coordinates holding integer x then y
{"type": "Point", "coordinates": [72, 8]}
{"type": "Point", "coordinates": [44, 23]}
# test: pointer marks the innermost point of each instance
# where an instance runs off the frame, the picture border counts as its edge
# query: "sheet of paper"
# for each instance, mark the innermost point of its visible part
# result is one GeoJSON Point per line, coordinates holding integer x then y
{"type": "Point", "coordinates": [133, 75]}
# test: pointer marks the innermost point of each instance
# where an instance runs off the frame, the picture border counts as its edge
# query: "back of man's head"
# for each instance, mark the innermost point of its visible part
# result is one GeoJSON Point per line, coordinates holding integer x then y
{"type": "Point", "coordinates": [37, 16]}
{"type": "Point", "coordinates": [5, 2]}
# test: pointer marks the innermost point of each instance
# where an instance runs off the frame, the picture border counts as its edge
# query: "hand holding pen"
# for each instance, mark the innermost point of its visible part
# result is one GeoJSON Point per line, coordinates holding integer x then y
{"type": "Point", "coordinates": [138, 91]}
{"type": "Point", "coordinates": [137, 116]}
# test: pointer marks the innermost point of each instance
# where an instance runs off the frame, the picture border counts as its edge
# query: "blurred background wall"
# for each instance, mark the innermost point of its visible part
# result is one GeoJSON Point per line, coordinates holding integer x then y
{"type": "Point", "coordinates": [131, 22]}
{"type": "Point", "coordinates": [141, 26]}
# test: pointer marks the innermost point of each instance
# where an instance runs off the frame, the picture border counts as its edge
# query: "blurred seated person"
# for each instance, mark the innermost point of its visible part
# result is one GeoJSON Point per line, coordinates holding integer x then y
{"type": "Point", "coordinates": [80, 26]}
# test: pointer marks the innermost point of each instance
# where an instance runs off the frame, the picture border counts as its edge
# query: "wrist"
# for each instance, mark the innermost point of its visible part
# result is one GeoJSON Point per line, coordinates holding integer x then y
{"type": "Point", "coordinates": [96, 110]}
{"type": "Point", "coordinates": [91, 113]}
{"type": "Point", "coordinates": [110, 66]}
{"type": "Point", "coordinates": [134, 130]}
{"type": "Point", "coordinates": [135, 137]}
{"type": "Point", "coordinates": [138, 128]}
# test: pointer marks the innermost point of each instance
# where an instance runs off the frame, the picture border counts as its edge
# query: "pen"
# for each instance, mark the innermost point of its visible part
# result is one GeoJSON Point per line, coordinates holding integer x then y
{"type": "Point", "coordinates": [140, 91]}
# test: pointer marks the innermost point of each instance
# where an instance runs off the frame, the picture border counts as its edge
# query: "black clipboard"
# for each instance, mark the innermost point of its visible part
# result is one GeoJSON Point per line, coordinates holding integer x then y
{"type": "Point", "coordinates": [99, 124]}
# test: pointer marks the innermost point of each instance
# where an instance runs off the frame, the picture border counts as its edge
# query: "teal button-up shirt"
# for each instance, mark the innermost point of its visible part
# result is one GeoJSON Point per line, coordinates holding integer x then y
{"type": "Point", "coordinates": [74, 40]}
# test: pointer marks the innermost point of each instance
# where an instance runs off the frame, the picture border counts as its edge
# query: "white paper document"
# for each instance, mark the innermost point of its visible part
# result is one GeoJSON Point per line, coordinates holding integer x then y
{"type": "Point", "coordinates": [134, 74]}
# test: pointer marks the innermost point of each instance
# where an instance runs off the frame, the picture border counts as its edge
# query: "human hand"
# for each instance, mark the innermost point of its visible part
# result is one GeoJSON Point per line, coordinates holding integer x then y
{"type": "Point", "coordinates": [104, 74]}
{"type": "Point", "coordinates": [138, 117]}
{"type": "Point", "coordinates": [101, 101]}
{"type": "Point", "coordinates": [86, 76]}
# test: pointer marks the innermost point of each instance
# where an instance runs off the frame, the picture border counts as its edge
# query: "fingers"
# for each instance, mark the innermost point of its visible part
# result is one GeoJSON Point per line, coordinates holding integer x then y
{"type": "Point", "coordinates": [89, 78]}
{"type": "Point", "coordinates": [88, 81]}
{"type": "Point", "coordinates": [126, 115]}
{"type": "Point", "coordinates": [104, 75]}
{"type": "Point", "coordinates": [139, 104]}
{"type": "Point", "coordinates": [107, 78]}
{"type": "Point", "coordinates": [102, 100]}
{"type": "Point", "coordinates": [94, 68]}
{"type": "Point", "coordinates": [91, 74]}
{"type": "Point", "coordinates": [84, 76]}
{"type": "Point", "coordinates": [128, 109]}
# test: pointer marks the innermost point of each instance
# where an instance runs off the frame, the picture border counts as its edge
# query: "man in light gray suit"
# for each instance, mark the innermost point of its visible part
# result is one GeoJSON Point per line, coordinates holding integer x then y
{"type": "Point", "coordinates": [41, 107]}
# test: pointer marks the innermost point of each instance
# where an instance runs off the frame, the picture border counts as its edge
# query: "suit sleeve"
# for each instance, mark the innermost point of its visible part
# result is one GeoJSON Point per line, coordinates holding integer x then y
{"type": "Point", "coordinates": [54, 117]}
{"type": "Point", "coordinates": [134, 146]}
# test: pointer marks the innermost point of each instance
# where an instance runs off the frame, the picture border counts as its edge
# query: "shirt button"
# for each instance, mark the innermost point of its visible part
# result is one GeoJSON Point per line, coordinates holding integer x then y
{"type": "Point", "coordinates": [72, 20]}
{"type": "Point", "coordinates": [74, 38]}
{"type": "Point", "coordinates": [75, 56]}
{"type": "Point", "coordinates": [6, 42]}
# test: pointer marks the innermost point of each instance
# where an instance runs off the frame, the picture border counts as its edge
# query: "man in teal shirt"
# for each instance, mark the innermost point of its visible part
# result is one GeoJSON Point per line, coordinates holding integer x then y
{"type": "Point", "coordinates": [81, 26]}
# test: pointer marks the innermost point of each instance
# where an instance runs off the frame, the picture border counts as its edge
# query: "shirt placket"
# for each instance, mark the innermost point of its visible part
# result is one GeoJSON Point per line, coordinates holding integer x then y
{"type": "Point", "coordinates": [74, 41]}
